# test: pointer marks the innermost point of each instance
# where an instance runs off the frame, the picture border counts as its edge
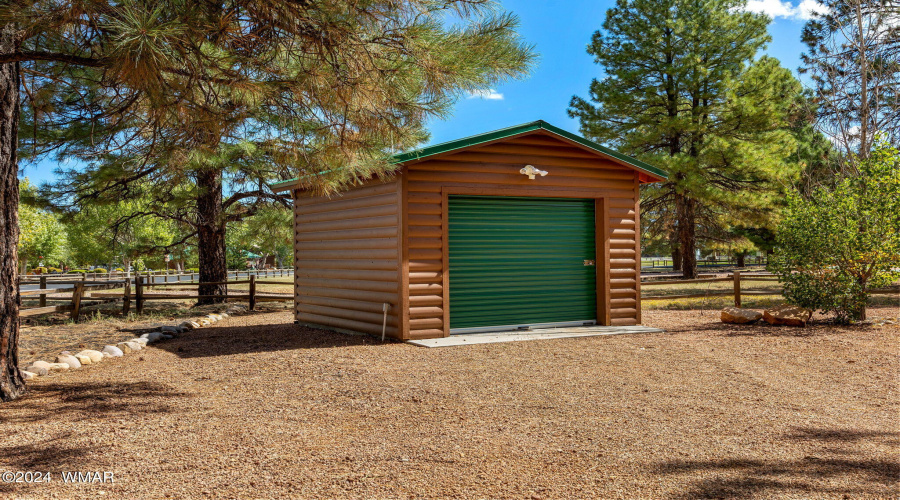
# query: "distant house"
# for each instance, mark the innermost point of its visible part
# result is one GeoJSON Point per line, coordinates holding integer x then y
{"type": "Point", "coordinates": [524, 226]}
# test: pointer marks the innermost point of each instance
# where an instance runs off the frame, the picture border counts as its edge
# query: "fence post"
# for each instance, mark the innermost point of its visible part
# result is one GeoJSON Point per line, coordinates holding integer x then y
{"type": "Point", "coordinates": [43, 286]}
{"type": "Point", "coordinates": [126, 297]}
{"type": "Point", "coordinates": [737, 288]}
{"type": "Point", "coordinates": [252, 292]}
{"type": "Point", "coordinates": [139, 294]}
{"type": "Point", "coordinates": [76, 300]}
{"type": "Point", "coordinates": [84, 276]}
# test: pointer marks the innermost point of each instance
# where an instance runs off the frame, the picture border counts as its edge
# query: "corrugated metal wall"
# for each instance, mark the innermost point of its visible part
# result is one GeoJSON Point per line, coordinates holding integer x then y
{"type": "Point", "coordinates": [347, 258]}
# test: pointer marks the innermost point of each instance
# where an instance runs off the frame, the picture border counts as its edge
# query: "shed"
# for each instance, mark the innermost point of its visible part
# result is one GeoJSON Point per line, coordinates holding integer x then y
{"type": "Point", "coordinates": [521, 227]}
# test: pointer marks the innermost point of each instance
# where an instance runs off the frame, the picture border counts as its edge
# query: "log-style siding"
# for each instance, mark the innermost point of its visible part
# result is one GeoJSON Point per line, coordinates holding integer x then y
{"type": "Point", "coordinates": [493, 170]}
{"type": "Point", "coordinates": [347, 258]}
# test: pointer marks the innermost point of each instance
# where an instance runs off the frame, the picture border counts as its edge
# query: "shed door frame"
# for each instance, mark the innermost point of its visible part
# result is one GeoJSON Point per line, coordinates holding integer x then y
{"type": "Point", "coordinates": [601, 232]}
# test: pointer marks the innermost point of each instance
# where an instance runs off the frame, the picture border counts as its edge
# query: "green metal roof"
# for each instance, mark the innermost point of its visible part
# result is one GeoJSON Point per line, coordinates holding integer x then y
{"type": "Point", "coordinates": [446, 147]}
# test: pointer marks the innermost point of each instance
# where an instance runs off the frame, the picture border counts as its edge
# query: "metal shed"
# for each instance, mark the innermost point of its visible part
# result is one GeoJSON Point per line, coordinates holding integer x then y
{"type": "Point", "coordinates": [525, 226]}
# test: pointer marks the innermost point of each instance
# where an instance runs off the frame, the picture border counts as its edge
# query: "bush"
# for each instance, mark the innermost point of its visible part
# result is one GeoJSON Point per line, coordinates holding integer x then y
{"type": "Point", "coordinates": [78, 271]}
{"type": "Point", "coordinates": [99, 270]}
{"type": "Point", "coordinates": [844, 240]}
{"type": "Point", "coordinates": [39, 270]}
{"type": "Point", "coordinates": [54, 270]}
{"type": "Point", "coordinates": [120, 270]}
{"type": "Point", "coordinates": [192, 270]}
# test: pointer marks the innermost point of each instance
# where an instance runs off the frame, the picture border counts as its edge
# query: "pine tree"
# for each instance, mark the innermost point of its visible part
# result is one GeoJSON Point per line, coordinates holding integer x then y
{"type": "Point", "coordinates": [684, 89]}
{"type": "Point", "coordinates": [854, 63]}
{"type": "Point", "coordinates": [164, 84]}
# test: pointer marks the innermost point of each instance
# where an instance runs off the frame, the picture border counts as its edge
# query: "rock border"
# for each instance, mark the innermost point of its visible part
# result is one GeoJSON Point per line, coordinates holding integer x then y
{"type": "Point", "coordinates": [66, 361]}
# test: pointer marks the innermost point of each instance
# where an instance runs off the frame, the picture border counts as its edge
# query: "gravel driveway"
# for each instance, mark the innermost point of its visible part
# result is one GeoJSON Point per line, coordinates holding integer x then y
{"type": "Point", "coordinates": [256, 407]}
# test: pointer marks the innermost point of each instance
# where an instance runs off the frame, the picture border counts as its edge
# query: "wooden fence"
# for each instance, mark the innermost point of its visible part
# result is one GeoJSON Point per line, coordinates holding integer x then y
{"type": "Point", "coordinates": [135, 290]}
{"type": "Point", "coordinates": [737, 290]}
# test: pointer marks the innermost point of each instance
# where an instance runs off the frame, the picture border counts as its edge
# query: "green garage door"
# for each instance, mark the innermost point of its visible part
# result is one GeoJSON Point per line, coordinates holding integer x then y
{"type": "Point", "coordinates": [521, 261]}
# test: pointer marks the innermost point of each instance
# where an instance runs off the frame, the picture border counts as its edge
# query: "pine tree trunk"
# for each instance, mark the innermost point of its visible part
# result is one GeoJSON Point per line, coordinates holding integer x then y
{"type": "Point", "coordinates": [211, 235]}
{"type": "Point", "coordinates": [676, 259]}
{"type": "Point", "coordinates": [685, 211]}
{"type": "Point", "coordinates": [741, 259]}
{"type": "Point", "coordinates": [11, 383]}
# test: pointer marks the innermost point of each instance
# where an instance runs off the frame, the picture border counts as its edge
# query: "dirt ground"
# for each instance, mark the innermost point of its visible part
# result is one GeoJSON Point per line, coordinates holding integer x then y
{"type": "Point", "coordinates": [256, 407]}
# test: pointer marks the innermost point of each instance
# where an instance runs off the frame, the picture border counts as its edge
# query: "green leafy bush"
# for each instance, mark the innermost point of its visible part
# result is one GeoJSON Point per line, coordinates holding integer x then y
{"type": "Point", "coordinates": [99, 270]}
{"type": "Point", "coordinates": [120, 270]}
{"type": "Point", "coordinates": [78, 271]}
{"type": "Point", "coordinates": [54, 270]}
{"type": "Point", "coordinates": [40, 270]}
{"type": "Point", "coordinates": [192, 270]}
{"type": "Point", "coordinates": [844, 240]}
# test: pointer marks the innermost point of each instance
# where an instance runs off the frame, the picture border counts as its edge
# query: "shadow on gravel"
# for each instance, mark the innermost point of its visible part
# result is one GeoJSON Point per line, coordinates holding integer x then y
{"type": "Point", "coordinates": [743, 478]}
{"type": "Point", "coordinates": [84, 401]}
{"type": "Point", "coordinates": [228, 340]}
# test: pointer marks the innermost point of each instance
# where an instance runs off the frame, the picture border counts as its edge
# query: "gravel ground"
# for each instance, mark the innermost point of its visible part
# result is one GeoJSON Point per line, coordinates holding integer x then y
{"type": "Point", "coordinates": [256, 407]}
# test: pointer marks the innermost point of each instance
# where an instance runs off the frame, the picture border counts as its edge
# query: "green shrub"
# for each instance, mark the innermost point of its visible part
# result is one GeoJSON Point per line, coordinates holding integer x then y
{"type": "Point", "coordinates": [192, 270]}
{"type": "Point", "coordinates": [54, 270]}
{"type": "Point", "coordinates": [120, 270]}
{"type": "Point", "coordinates": [844, 240]}
{"type": "Point", "coordinates": [99, 270]}
{"type": "Point", "coordinates": [78, 271]}
{"type": "Point", "coordinates": [39, 270]}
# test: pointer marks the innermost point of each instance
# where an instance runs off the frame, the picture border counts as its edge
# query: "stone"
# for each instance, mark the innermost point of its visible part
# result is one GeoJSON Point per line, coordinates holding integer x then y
{"type": "Point", "coordinates": [113, 351]}
{"type": "Point", "coordinates": [787, 315]}
{"type": "Point", "coordinates": [224, 315]}
{"type": "Point", "coordinates": [41, 364]}
{"type": "Point", "coordinates": [134, 345]}
{"type": "Point", "coordinates": [153, 336]}
{"type": "Point", "coordinates": [143, 342]}
{"type": "Point", "coordinates": [168, 337]}
{"type": "Point", "coordinates": [96, 356]}
{"type": "Point", "coordinates": [59, 367]}
{"type": "Point", "coordinates": [740, 316]}
{"type": "Point", "coordinates": [67, 358]}
{"type": "Point", "coordinates": [38, 370]}
{"type": "Point", "coordinates": [125, 347]}
{"type": "Point", "coordinates": [167, 329]}
{"type": "Point", "coordinates": [27, 375]}
{"type": "Point", "coordinates": [188, 325]}
{"type": "Point", "coordinates": [84, 360]}
{"type": "Point", "coordinates": [205, 322]}
{"type": "Point", "coordinates": [213, 317]}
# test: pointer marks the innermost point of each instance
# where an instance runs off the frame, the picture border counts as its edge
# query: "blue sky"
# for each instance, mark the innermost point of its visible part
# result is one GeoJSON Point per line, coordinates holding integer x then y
{"type": "Point", "coordinates": [560, 32]}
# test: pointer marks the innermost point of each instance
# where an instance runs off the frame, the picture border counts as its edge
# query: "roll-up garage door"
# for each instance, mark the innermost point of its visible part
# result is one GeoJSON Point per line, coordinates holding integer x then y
{"type": "Point", "coordinates": [517, 261]}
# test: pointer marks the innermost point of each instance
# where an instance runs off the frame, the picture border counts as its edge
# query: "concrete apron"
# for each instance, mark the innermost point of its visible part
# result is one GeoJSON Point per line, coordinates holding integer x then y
{"type": "Point", "coordinates": [536, 334]}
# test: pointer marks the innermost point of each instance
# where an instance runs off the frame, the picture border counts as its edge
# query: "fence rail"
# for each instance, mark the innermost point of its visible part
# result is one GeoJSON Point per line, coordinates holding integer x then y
{"type": "Point", "coordinates": [83, 292]}
{"type": "Point", "coordinates": [737, 278]}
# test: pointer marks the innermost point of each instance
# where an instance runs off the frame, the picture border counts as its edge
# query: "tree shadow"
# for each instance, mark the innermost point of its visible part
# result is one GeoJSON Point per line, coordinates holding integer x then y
{"type": "Point", "coordinates": [813, 476]}
{"type": "Point", "coordinates": [247, 339]}
{"type": "Point", "coordinates": [83, 401]}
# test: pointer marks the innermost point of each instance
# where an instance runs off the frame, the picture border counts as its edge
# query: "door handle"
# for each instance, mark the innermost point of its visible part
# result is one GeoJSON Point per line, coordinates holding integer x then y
{"type": "Point", "coordinates": [588, 262]}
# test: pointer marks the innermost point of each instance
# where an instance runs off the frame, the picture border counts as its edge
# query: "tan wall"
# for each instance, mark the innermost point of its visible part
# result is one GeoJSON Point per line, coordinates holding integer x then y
{"type": "Point", "coordinates": [347, 258]}
{"type": "Point", "coordinates": [494, 170]}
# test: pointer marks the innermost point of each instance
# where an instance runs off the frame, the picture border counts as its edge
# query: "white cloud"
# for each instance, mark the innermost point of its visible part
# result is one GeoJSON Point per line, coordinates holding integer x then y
{"type": "Point", "coordinates": [806, 9]}
{"type": "Point", "coordinates": [489, 94]}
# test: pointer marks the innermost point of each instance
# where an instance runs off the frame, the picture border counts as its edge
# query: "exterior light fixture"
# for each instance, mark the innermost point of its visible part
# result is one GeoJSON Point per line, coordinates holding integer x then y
{"type": "Point", "coordinates": [531, 171]}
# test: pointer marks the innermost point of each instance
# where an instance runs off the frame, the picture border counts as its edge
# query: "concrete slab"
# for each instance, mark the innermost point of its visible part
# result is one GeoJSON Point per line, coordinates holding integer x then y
{"type": "Point", "coordinates": [536, 334]}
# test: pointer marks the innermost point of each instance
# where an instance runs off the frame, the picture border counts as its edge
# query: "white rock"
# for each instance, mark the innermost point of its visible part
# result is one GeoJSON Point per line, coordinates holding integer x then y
{"type": "Point", "coordinates": [27, 375]}
{"type": "Point", "coordinates": [68, 359]}
{"type": "Point", "coordinates": [59, 367]}
{"type": "Point", "coordinates": [96, 356]}
{"type": "Point", "coordinates": [42, 364]}
{"type": "Point", "coordinates": [113, 351]}
{"type": "Point", "coordinates": [205, 322]}
{"type": "Point", "coordinates": [224, 314]}
{"type": "Point", "coordinates": [152, 337]}
{"type": "Point", "coordinates": [84, 360]}
{"type": "Point", "coordinates": [188, 325]}
{"type": "Point", "coordinates": [38, 370]}
{"type": "Point", "coordinates": [125, 347]}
